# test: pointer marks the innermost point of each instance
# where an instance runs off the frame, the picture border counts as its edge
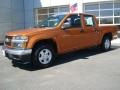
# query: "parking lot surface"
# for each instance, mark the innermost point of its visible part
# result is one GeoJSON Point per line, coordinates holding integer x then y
{"type": "Point", "coordinates": [88, 69]}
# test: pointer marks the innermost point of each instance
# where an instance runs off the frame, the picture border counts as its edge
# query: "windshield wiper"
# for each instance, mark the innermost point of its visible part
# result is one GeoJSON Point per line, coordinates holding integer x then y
{"type": "Point", "coordinates": [43, 26]}
{"type": "Point", "coordinates": [40, 26]}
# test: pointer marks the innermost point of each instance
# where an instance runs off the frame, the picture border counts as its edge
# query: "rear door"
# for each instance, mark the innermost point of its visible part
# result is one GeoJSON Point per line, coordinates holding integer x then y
{"type": "Point", "coordinates": [92, 33]}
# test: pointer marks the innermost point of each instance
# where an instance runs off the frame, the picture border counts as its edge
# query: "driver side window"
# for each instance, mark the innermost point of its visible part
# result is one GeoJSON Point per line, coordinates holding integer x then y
{"type": "Point", "coordinates": [74, 20]}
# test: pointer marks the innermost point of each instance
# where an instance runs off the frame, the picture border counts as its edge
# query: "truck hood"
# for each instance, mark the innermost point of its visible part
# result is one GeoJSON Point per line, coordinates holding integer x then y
{"type": "Point", "coordinates": [28, 32]}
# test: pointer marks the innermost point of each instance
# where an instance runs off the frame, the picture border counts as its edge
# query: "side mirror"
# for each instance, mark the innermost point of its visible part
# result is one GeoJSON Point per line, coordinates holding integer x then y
{"type": "Point", "coordinates": [66, 25]}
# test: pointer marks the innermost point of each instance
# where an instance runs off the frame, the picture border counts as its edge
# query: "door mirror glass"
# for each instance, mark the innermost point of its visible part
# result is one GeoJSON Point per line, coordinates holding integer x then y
{"type": "Point", "coordinates": [66, 25]}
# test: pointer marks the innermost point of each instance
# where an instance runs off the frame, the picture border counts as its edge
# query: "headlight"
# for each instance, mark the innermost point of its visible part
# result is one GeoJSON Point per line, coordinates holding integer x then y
{"type": "Point", "coordinates": [20, 39]}
{"type": "Point", "coordinates": [19, 42]}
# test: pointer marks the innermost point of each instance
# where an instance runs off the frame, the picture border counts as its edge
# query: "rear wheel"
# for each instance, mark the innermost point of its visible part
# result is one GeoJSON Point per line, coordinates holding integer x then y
{"type": "Point", "coordinates": [43, 56]}
{"type": "Point", "coordinates": [106, 43]}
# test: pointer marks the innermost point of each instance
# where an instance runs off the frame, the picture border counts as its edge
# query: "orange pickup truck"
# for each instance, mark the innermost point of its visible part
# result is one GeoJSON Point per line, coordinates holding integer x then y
{"type": "Point", "coordinates": [55, 35]}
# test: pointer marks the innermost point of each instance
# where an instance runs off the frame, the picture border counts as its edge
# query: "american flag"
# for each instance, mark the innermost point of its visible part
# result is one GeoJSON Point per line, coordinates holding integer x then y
{"type": "Point", "coordinates": [74, 7]}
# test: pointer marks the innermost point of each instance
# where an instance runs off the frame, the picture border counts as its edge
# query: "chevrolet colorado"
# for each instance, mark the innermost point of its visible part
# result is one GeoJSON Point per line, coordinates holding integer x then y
{"type": "Point", "coordinates": [55, 35]}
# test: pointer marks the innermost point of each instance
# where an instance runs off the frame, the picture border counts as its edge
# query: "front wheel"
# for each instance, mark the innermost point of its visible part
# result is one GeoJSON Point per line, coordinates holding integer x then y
{"type": "Point", "coordinates": [43, 56]}
{"type": "Point", "coordinates": [106, 43]}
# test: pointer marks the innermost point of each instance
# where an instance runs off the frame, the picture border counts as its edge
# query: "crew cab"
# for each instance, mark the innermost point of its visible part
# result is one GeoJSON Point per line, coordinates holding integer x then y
{"type": "Point", "coordinates": [57, 34]}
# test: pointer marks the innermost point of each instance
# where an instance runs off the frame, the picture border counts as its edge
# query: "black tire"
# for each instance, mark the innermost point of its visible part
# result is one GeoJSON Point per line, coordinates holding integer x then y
{"type": "Point", "coordinates": [106, 43]}
{"type": "Point", "coordinates": [43, 56]}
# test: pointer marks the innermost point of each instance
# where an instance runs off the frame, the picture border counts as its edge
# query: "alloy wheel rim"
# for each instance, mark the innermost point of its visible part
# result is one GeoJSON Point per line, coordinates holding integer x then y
{"type": "Point", "coordinates": [45, 56]}
{"type": "Point", "coordinates": [107, 44]}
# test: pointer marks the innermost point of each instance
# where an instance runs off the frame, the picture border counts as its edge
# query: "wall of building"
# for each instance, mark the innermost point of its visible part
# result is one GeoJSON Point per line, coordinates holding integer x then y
{"type": "Point", "coordinates": [11, 16]}
{"type": "Point", "coordinates": [29, 12]}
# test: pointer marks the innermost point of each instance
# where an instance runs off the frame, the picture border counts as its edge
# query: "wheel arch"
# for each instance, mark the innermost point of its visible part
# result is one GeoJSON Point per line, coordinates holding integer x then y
{"type": "Point", "coordinates": [46, 41]}
{"type": "Point", "coordinates": [102, 45]}
{"type": "Point", "coordinates": [109, 34]}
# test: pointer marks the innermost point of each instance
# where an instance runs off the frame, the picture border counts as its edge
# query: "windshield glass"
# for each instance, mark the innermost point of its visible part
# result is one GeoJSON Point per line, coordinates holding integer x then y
{"type": "Point", "coordinates": [51, 21]}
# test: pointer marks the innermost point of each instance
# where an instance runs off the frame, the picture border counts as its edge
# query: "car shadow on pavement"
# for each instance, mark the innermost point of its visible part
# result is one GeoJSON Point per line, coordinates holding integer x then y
{"type": "Point", "coordinates": [81, 54]}
{"type": "Point", "coordinates": [65, 58]}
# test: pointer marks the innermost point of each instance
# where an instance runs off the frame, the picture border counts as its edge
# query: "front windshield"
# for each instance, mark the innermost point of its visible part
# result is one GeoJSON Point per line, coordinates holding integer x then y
{"type": "Point", "coordinates": [51, 21]}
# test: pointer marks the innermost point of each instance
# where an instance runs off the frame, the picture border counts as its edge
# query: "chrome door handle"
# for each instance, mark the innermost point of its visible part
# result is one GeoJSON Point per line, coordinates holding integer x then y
{"type": "Point", "coordinates": [96, 30]}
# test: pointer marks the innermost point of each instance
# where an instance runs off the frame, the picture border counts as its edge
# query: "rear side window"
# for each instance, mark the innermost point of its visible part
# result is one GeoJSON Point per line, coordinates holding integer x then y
{"type": "Point", "coordinates": [89, 21]}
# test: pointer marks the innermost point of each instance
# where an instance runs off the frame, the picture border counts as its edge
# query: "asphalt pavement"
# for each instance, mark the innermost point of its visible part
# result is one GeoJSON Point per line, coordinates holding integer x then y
{"type": "Point", "coordinates": [88, 69]}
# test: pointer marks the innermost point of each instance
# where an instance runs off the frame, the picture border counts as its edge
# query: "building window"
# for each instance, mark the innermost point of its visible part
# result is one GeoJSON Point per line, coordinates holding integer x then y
{"type": "Point", "coordinates": [96, 13]}
{"type": "Point", "coordinates": [92, 7]}
{"type": "Point", "coordinates": [106, 13]}
{"type": "Point", "coordinates": [53, 10]}
{"type": "Point", "coordinates": [42, 17]}
{"type": "Point", "coordinates": [117, 20]}
{"type": "Point", "coordinates": [106, 20]}
{"type": "Point", "coordinates": [63, 10]}
{"type": "Point", "coordinates": [42, 13]}
{"type": "Point", "coordinates": [117, 13]}
{"type": "Point", "coordinates": [117, 5]}
{"type": "Point", "coordinates": [106, 5]}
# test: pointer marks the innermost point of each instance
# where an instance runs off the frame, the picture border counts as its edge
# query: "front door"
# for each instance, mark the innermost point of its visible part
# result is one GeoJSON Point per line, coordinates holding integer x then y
{"type": "Point", "coordinates": [72, 37]}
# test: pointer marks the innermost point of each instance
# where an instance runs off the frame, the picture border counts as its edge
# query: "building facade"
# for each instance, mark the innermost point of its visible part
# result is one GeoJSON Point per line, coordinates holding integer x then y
{"type": "Point", "coordinates": [11, 16]}
{"type": "Point", "coordinates": [107, 12]}
{"type": "Point", "coordinates": [20, 14]}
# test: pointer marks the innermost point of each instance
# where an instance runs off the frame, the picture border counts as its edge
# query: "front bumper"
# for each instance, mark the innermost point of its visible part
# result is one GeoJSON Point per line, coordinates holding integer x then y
{"type": "Point", "coordinates": [17, 54]}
